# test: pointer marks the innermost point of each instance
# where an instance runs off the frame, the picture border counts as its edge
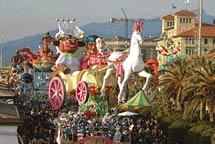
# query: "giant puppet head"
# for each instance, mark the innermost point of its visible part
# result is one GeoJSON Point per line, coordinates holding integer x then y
{"type": "Point", "coordinates": [91, 43]}
{"type": "Point", "coordinates": [68, 42]}
{"type": "Point", "coordinates": [101, 45]}
{"type": "Point", "coordinates": [68, 37]}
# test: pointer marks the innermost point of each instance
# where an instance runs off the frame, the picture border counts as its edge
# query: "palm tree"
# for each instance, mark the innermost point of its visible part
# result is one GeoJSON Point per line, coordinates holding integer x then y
{"type": "Point", "coordinates": [170, 82]}
{"type": "Point", "coordinates": [199, 87]}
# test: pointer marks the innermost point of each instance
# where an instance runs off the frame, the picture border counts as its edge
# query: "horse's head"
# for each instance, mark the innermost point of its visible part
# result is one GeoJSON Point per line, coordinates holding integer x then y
{"type": "Point", "coordinates": [138, 25]}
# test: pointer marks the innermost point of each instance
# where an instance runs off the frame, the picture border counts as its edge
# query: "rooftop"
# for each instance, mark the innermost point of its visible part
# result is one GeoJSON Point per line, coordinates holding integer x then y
{"type": "Point", "coordinates": [168, 17]}
{"type": "Point", "coordinates": [179, 13]}
{"type": "Point", "coordinates": [185, 13]}
{"type": "Point", "coordinates": [207, 31]}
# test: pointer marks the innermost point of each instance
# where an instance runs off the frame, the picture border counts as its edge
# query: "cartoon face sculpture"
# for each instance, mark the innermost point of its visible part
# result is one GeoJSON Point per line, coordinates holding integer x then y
{"type": "Point", "coordinates": [68, 45]}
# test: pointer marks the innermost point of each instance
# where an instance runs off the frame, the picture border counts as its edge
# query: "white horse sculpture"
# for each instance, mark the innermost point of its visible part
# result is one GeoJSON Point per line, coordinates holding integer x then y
{"type": "Point", "coordinates": [133, 63]}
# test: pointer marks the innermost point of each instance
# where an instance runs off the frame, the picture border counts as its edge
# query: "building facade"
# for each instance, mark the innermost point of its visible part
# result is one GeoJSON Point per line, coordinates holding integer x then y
{"type": "Point", "coordinates": [182, 28]}
{"type": "Point", "coordinates": [148, 46]}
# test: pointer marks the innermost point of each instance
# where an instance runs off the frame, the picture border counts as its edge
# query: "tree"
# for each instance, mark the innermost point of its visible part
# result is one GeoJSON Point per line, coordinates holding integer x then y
{"type": "Point", "coordinates": [170, 82]}
{"type": "Point", "coordinates": [199, 87]}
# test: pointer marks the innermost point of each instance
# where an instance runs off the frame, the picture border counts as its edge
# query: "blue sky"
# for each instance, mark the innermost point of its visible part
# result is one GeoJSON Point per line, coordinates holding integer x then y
{"type": "Point", "coordinates": [19, 18]}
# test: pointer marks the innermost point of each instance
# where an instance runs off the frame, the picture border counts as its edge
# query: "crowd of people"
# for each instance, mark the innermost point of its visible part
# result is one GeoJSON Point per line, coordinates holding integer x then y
{"type": "Point", "coordinates": [37, 126]}
{"type": "Point", "coordinates": [40, 126]}
{"type": "Point", "coordinates": [132, 129]}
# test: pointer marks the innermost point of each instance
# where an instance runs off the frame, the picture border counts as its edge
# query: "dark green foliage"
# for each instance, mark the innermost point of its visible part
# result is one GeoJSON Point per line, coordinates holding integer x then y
{"type": "Point", "coordinates": [200, 133]}
{"type": "Point", "coordinates": [177, 131]}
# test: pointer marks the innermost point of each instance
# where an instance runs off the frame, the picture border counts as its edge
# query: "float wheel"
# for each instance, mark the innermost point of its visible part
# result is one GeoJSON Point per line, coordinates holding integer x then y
{"type": "Point", "coordinates": [82, 92]}
{"type": "Point", "coordinates": [56, 93]}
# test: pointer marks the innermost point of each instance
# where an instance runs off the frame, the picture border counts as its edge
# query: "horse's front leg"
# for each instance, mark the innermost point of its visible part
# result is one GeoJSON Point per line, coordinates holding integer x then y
{"type": "Point", "coordinates": [148, 79]}
{"type": "Point", "coordinates": [127, 74]}
{"type": "Point", "coordinates": [119, 81]}
{"type": "Point", "coordinates": [109, 71]}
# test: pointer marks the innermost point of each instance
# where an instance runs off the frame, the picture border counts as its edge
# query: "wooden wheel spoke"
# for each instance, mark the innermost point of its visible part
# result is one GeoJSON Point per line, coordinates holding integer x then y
{"type": "Point", "coordinates": [53, 96]}
{"type": "Point", "coordinates": [55, 85]}
{"type": "Point", "coordinates": [79, 94]}
{"type": "Point", "coordinates": [84, 91]}
{"type": "Point", "coordinates": [79, 89]}
{"type": "Point", "coordinates": [52, 89]}
{"type": "Point", "coordinates": [59, 90]}
{"type": "Point", "coordinates": [59, 85]}
{"type": "Point", "coordinates": [59, 96]}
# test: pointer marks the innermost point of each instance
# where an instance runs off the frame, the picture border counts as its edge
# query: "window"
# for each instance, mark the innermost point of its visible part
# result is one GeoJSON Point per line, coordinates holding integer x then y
{"type": "Point", "coordinates": [205, 41]}
{"type": "Point", "coordinates": [205, 50]}
{"type": "Point", "coordinates": [169, 24]}
{"type": "Point", "coordinates": [193, 41]}
{"type": "Point", "coordinates": [185, 20]}
{"type": "Point", "coordinates": [214, 40]}
{"type": "Point", "coordinates": [190, 41]}
{"type": "Point", "coordinates": [189, 51]}
{"type": "Point", "coordinates": [187, 40]}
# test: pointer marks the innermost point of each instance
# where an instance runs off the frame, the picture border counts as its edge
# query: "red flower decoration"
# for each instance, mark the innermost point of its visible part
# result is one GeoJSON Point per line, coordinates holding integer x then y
{"type": "Point", "coordinates": [92, 90]}
{"type": "Point", "coordinates": [107, 89]}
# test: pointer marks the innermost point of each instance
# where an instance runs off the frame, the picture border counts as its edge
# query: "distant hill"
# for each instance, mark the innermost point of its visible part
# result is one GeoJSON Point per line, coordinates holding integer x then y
{"type": "Point", "coordinates": [152, 27]}
{"type": "Point", "coordinates": [109, 30]}
{"type": "Point", "coordinates": [106, 30]}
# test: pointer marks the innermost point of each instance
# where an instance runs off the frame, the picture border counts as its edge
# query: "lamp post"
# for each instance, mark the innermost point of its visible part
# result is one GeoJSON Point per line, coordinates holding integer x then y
{"type": "Point", "coordinates": [200, 3]}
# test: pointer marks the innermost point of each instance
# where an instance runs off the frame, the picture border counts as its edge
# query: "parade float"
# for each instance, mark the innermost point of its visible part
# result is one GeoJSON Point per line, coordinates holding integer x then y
{"type": "Point", "coordinates": [68, 80]}
{"type": "Point", "coordinates": [30, 71]}
{"type": "Point", "coordinates": [83, 70]}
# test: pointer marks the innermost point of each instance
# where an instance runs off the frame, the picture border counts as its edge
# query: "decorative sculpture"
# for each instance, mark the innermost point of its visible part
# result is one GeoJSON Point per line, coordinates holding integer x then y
{"type": "Point", "coordinates": [132, 63]}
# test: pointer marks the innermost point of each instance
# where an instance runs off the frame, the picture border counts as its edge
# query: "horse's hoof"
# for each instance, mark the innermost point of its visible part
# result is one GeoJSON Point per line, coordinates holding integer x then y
{"type": "Point", "coordinates": [102, 94]}
{"type": "Point", "coordinates": [145, 90]}
{"type": "Point", "coordinates": [120, 102]}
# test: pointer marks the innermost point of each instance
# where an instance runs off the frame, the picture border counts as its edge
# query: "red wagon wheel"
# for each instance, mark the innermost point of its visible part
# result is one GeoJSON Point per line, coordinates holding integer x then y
{"type": "Point", "coordinates": [82, 92]}
{"type": "Point", "coordinates": [56, 93]}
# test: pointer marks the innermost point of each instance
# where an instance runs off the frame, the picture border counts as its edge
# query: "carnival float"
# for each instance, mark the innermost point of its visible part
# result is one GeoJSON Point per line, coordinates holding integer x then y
{"type": "Point", "coordinates": [72, 66]}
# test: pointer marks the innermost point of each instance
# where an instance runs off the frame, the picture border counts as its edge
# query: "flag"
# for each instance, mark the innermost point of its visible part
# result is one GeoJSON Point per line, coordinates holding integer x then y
{"type": "Point", "coordinates": [173, 6]}
{"type": "Point", "coordinates": [187, 1]}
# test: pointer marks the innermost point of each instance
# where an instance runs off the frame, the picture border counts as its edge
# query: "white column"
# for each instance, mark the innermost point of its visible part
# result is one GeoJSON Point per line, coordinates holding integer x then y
{"type": "Point", "coordinates": [200, 3]}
